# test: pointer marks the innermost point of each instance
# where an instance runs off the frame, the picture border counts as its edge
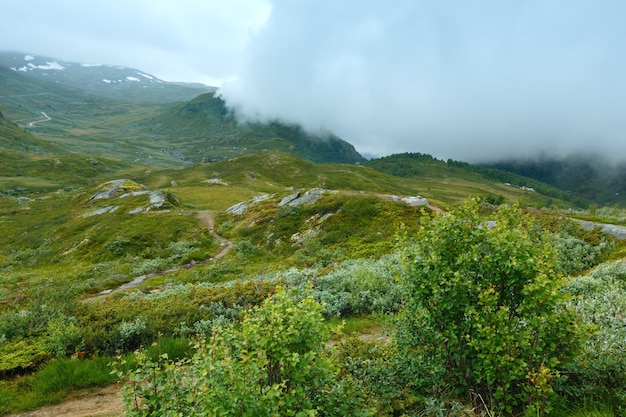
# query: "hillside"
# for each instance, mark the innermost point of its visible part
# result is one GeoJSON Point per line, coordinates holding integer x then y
{"type": "Point", "coordinates": [159, 134]}
{"type": "Point", "coordinates": [592, 177]}
{"type": "Point", "coordinates": [205, 130]}
{"type": "Point", "coordinates": [32, 165]}
{"type": "Point", "coordinates": [435, 171]}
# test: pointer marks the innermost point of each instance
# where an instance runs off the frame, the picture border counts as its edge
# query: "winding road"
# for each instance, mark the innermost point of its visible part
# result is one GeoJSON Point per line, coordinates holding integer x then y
{"type": "Point", "coordinates": [45, 119]}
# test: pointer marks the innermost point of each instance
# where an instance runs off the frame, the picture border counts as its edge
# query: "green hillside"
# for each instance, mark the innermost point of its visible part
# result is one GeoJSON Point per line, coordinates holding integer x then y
{"type": "Point", "coordinates": [206, 131]}
{"type": "Point", "coordinates": [590, 176]}
{"type": "Point", "coordinates": [434, 171]}
{"type": "Point", "coordinates": [174, 134]}
{"type": "Point", "coordinates": [32, 165]}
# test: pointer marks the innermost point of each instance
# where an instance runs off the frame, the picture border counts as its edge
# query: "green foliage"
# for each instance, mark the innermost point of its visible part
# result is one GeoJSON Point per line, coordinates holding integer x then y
{"type": "Point", "coordinates": [599, 372]}
{"type": "Point", "coordinates": [355, 287]}
{"type": "Point", "coordinates": [274, 364]}
{"type": "Point", "coordinates": [485, 314]}
{"type": "Point", "coordinates": [575, 255]}
{"type": "Point", "coordinates": [21, 354]}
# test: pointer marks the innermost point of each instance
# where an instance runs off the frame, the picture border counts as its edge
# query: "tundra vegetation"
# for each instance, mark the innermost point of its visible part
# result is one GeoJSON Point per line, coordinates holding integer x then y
{"type": "Point", "coordinates": [354, 304]}
{"type": "Point", "coordinates": [485, 310]}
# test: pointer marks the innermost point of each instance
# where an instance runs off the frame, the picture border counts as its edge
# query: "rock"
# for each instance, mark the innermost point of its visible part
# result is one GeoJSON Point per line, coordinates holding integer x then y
{"type": "Point", "coordinates": [102, 210]}
{"type": "Point", "coordinates": [260, 198]}
{"type": "Point", "coordinates": [136, 210]}
{"type": "Point", "coordinates": [216, 181]}
{"type": "Point", "coordinates": [23, 200]}
{"type": "Point", "coordinates": [240, 208]}
{"type": "Point", "coordinates": [298, 199]}
{"type": "Point", "coordinates": [158, 199]}
{"type": "Point", "coordinates": [237, 209]}
{"type": "Point", "coordinates": [414, 201]}
{"type": "Point", "coordinates": [117, 188]}
{"type": "Point", "coordinates": [288, 199]}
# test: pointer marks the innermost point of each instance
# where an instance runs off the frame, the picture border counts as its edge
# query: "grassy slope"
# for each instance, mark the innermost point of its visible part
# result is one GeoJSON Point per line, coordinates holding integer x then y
{"type": "Point", "coordinates": [30, 164]}
{"type": "Point", "coordinates": [160, 135]}
{"type": "Point", "coordinates": [206, 130]}
{"type": "Point", "coordinates": [438, 174]}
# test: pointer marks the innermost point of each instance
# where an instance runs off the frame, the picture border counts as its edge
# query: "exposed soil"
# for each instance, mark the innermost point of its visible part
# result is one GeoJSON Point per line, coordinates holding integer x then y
{"type": "Point", "coordinates": [96, 402]}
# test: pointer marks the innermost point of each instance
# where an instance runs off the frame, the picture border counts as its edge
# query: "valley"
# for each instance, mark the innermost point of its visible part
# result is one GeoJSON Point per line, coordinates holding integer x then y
{"type": "Point", "coordinates": [148, 238]}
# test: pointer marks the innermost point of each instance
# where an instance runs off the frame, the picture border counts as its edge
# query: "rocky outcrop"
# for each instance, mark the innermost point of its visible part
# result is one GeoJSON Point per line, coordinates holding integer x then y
{"type": "Point", "coordinates": [241, 208]}
{"type": "Point", "coordinates": [411, 201]}
{"type": "Point", "coordinates": [299, 198]}
{"type": "Point", "coordinates": [118, 188]}
{"type": "Point", "coordinates": [124, 188]}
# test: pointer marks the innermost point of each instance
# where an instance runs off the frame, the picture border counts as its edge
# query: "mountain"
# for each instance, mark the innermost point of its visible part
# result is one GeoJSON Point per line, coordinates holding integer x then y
{"type": "Point", "coordinates": [590, 176]}
{"type": "Point", "coordinates": [94, 118]}
{"type": "Point", "coordinates": [104, 80]}
{"type": "Point", "coordinates": [205, 130]}
{"type": "Point", "coordinates": [437, 172]}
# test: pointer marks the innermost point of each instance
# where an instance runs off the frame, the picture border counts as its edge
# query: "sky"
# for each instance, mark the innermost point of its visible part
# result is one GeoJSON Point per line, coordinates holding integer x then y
{"type": "Point", "coordinates": [475, 80]}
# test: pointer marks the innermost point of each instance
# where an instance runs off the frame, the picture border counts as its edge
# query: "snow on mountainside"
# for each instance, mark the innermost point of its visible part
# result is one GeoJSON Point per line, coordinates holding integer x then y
{"type": "Point", "coordinates": [106, 80]}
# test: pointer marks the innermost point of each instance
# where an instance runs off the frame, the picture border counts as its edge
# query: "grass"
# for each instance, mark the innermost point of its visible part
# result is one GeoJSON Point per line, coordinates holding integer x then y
{"type": "Point", "coordinates": [53, 382]}
{"type": "Point", "coordinates": [59, 377]}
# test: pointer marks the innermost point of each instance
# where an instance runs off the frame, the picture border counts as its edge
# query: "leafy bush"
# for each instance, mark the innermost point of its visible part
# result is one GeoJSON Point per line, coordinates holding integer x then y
{"type": "Point", "coordinates": [484, 311]}
{"type": "Point", "coordinates": [355, 286]}
{"type": "Point", "coordinates": [132, 334]}
{"type": "Point", "coordinates": [64, 335]}
{"type": "Point", "coordinates": [599, 372]}
{"type": "Point", "coordinates": [273, 365]}
{"type": "Point", "coordinates": [574, 255]}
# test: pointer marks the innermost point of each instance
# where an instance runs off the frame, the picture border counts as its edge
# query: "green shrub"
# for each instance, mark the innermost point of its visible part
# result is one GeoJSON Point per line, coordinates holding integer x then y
{"type": "Point", "coordinates": [64, 335]}
{"type": "Point", "coordinates": [599, 372]}
{"type": "Point", "coordinates": [575, 255]}
{"type": "Point", "coordinates": [484, 312]}
{"type": "Point", "coordinates": [274, 364]}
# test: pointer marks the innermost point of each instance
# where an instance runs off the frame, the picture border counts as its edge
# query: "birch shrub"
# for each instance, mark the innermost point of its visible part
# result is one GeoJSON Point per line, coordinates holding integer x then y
{"type": "Point", "coordinates": [484, 312]}
{"type": "Point", "coordinates": [273, 364]}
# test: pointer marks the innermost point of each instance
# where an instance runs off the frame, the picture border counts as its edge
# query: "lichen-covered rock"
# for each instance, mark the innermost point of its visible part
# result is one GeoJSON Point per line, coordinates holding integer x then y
{"type": "Point", "coordinates": [298, 199]}
{"type": "Point", "coordinates": [237, 209]}
{"type": "Point", "coordinates": [117, 188]}
{"type": "Point", "coordinates": [101, 210]}
{"type": "Point", "coordinates": [415, 201]}
{"type": "Point", "coordinates": [241, 208]}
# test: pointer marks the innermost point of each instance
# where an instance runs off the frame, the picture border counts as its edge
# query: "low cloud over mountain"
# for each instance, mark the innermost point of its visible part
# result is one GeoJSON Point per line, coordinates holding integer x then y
{"type": "Point", "coordinates": [467, 80]}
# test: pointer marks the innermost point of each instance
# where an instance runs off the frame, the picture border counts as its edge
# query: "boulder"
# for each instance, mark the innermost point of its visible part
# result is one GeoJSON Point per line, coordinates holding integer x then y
{"type": "Point", "coordinates": [298, 199]}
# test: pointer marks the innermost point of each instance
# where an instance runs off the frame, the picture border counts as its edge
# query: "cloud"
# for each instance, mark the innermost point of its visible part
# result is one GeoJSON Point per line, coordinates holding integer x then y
{"type": "Point", "coordinates": [186, 40]}
{"type": "Point", "coordinates": [467, 80]}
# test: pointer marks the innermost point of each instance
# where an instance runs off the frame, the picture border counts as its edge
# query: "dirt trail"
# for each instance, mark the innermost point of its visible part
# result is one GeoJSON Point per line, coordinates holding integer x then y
{"type": "Point", "coordinates": [98, 402]}
{"type": "Point", "coordinates": [44, 119]}
{"type": "Point", "coordinates": [207, 219]}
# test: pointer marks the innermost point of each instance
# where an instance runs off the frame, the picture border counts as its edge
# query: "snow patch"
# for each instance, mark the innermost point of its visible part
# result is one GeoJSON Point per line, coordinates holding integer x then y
{"type": "Point", "coordinates": [49, 66]}
{"type": "Point", "coordinates": [106, 81]}
{"type": "Point", "coordinates": [145, 76]}
{"type": "Point", "coordinates": [132, 79]}
{"type": "Point", "coordinates": [28, 58]}
{"type": "Point", "coordinates": [90, 65]}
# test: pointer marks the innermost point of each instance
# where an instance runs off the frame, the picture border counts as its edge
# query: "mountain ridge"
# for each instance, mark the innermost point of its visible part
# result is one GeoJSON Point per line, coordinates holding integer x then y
{"type": "Point", "coordinates": [106, 80]}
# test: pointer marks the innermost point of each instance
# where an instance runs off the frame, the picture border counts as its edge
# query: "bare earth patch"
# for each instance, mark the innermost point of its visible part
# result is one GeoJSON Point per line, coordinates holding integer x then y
{"type": "Point", "coordinates": [95, 402]}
